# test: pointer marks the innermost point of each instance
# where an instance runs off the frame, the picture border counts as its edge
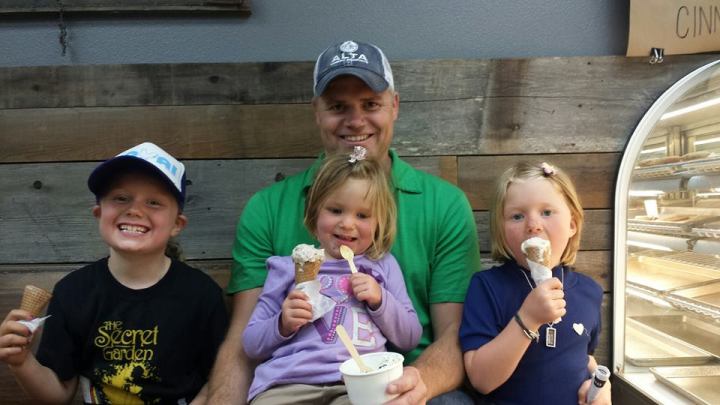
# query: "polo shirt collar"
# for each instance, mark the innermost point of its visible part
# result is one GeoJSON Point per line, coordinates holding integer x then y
{"type": "Point", "coordinates": [404, 176]}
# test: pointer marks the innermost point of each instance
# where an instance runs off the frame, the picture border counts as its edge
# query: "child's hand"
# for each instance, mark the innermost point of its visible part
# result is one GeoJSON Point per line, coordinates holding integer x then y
{"type": "Point", "coordinates": [15, 338]}
{"type": "Point", "coordinates": [544, 304]}
{"type": "Point", "coordinates": [603, 397]}
{"type": "Point", "coordinates": [296, 312]}
{"type": "Point", "coordinates": [365, 288]}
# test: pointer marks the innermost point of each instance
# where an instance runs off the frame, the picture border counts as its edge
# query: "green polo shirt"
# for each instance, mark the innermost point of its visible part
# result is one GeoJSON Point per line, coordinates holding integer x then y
{"type": "Point", "coordinates": [436, 243]}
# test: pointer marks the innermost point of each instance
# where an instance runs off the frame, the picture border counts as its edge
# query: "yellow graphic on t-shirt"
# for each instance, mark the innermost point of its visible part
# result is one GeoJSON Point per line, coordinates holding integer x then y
{"type": "Point", "coordinates": [128, 354]}
{"type": "Point", "coordinates": [119, 388]}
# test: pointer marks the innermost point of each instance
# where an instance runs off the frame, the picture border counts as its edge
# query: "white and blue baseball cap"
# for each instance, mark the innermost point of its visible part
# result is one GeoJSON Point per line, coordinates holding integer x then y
{"type": "Point", "coordinates": [363, 60]}
{"type": "Point", "coordinates": [147, 157]}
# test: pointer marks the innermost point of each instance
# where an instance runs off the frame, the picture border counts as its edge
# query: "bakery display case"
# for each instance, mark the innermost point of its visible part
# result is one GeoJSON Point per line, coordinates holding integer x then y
{"type": "Point", "coordinates": [666, 319]}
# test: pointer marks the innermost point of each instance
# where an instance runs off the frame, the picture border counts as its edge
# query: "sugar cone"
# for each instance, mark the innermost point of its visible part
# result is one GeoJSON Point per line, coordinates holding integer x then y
{"type": "Point", "coordinates": [538, 255]}
{"type": "Point", "coordinates": [308, 271]}
{"type": "Point", "coordinates": [34, 300]}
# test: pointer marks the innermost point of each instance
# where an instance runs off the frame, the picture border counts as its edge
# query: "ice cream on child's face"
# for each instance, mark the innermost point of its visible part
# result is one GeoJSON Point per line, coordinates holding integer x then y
{"type": "Point", "coordinates": [535, 208]}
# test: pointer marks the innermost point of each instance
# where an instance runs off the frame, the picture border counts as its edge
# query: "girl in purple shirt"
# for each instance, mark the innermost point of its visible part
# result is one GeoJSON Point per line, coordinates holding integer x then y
{"type": "Point", "coordinates": [350, 204]}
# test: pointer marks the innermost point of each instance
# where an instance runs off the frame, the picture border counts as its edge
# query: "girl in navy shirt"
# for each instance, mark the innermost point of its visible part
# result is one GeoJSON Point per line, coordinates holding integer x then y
{"type": "Point", "coordinates": [528, 343]}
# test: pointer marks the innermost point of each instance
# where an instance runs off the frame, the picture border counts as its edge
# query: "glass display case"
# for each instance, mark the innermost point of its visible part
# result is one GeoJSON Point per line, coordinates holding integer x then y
{"type": "Point", "coordinates": [666, 337]}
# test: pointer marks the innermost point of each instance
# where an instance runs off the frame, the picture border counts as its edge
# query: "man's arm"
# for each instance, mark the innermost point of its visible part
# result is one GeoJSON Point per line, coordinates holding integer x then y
{"type": "Point", "coordinates": [439, 368]}
{"type": "Point", "coordinates": [233, 370]}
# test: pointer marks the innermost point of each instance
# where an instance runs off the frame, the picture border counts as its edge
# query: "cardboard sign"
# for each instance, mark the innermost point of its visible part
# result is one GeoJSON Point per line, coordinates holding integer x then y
{"type": "Point", "coordinates": [676, 26]}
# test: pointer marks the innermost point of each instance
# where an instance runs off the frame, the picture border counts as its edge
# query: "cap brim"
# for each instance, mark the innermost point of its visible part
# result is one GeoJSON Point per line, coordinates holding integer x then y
{"type": "Point", "coordinates": [377, 83]}
{"type": "Point", "coordinates": [104, 174]}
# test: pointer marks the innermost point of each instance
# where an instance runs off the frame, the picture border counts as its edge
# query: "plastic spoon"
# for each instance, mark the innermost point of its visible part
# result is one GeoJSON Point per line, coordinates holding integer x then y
{"type": "Point", "coordinates": [345, 339]}
{"type": "Point", "coordinates": [348, 255]}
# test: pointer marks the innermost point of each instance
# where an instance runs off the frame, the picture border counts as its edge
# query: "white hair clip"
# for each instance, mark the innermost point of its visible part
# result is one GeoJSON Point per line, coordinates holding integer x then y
{"type": "Point", "coordinates": [359, 153]}
{"type": "Point", "coordinates": [547, 169]}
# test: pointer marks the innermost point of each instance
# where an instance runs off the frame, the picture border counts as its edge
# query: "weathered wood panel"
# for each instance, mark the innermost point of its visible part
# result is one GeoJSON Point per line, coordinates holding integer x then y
{"type": "Point", "coordinates": [610, 78]}
{"type": "Point", "coordinates": [45, 208]}
{"type": "Point", "coordinates": [473, 107]}
{"type": "Point", "coordinates": [593, 174]}
{"type": "Point", "coordinates": [219, 131]}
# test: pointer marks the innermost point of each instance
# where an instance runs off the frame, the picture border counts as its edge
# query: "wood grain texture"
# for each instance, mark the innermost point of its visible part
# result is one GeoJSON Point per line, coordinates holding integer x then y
{"type": "Point", "coordinates": [609, 78]}
{"type": "Point", "coordinates": [528, 106]}
{"type": "Point", "coordinates": [219, 131]}
{"type": "Point", "coordinates": [593, 174]}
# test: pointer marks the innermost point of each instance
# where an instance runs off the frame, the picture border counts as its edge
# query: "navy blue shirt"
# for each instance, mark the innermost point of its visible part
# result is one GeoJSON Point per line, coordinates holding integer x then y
{"type": "Point", "coordinates": [547, 375]}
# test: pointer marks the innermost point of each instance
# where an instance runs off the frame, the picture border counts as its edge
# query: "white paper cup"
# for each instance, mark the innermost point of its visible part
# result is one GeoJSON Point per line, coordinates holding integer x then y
{"type": "Point", "coordinates": [369, 388]}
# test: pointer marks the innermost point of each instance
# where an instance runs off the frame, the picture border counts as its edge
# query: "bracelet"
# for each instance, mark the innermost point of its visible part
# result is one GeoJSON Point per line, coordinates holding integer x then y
{"type": "Point", "coordinates": [530, 334]}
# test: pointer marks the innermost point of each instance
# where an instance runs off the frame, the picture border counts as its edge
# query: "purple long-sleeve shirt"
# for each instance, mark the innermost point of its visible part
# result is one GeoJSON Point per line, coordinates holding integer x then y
{"type": "Point", "coordinates": [313, 355]}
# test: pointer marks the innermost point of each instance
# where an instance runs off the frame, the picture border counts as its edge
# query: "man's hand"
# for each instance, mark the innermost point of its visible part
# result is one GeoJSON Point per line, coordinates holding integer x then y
{"type": "Point", "coordinates": [439, 369]}
{"type": "Point", "coordinates": [410, 387]}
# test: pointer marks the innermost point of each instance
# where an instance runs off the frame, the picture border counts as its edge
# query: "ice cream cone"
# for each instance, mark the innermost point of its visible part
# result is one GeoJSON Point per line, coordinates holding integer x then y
{"type": "Point", "coordinates": [34, 300]}
{"type": "Point", "coordinates": [539, 255]}
{"type": "Point", "coordinates": [307, 271]}
{"type": "Point", "coordinates": [307, 261]}
{"type": "Point", "coordinates": [537, 250]}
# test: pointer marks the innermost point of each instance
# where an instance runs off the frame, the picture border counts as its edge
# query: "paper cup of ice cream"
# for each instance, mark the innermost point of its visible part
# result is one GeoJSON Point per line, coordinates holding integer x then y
{"type": "Point", "coordinates": [369, 387]}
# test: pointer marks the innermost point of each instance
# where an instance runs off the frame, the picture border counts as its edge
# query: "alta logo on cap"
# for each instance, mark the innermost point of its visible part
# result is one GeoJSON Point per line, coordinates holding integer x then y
{"type": "Point", "coordinates": [348, 46]}
{"type": "Point", "coordinates": [348, 55]}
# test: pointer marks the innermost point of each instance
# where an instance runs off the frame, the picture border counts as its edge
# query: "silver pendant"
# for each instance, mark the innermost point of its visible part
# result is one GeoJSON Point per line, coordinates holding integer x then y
{"type": "Point", "coordinates": [550, 335]}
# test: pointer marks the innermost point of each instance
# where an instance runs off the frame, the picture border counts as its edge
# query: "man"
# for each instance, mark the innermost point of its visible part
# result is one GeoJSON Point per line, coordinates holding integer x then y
{"type": "Point", "coordinates": [355, 104]}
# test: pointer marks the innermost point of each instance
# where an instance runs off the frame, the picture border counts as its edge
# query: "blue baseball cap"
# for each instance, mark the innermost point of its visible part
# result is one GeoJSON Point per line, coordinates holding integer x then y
{"type": "Point", "coordinates": [362, 60]}
{"type": "Point", "coordinates": [147, 157]}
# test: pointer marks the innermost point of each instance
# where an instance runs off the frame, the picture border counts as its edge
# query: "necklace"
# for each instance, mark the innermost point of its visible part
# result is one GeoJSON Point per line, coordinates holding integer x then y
{"type": "Point", "coordinates": [550, 332]}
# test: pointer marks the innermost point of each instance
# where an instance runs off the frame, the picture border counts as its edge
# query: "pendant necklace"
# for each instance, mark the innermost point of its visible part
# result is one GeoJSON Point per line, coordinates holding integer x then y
{"type": "Point", "coordinates": [550, 332]}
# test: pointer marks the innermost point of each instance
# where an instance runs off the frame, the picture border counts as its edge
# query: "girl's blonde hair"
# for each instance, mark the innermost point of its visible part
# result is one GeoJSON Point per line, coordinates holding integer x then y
{"type": "Point", "coordinates": [334, 172]}
{"type": "Point", "coordinates": [531, 171]}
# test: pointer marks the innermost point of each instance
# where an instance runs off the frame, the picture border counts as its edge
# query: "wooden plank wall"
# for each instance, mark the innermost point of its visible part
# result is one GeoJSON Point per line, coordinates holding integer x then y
{"type": "Point", "coordinates": [240, 127]}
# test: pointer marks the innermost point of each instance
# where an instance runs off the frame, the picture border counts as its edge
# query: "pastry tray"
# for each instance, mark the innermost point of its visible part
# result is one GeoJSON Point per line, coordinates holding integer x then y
{"type": "Point", "coordinates": [703, 299]}
{"type": "Point", "coordinates": [647, 347]}
{"type": "Point", "coordinates": [704, 335]}
{"type": "Point", "coordinates": [709, 230]}
{"type": "Point", "coordinates": [672, 227]}
{"type": "Point", "coordinates": [708, 165]}
{"type": "Point", "coordinates": [662, 170]}
{"type": "Point", "coordinates": [700, 383]}
{"type": "Point", "coordinates": [671, 272]}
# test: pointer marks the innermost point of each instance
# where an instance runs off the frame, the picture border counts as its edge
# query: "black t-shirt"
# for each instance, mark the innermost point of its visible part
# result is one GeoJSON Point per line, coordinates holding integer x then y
{"type": "Point", "coordinates": [156, 345]}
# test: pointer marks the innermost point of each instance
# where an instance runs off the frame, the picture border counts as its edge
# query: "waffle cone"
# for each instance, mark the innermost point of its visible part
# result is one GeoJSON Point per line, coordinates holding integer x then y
{"type": "Point", "coordinates": [308, 271]}
{"type": "Point", "coordinates": [34, 300]}
{"type": "Point", "coordinates": [538, 255]}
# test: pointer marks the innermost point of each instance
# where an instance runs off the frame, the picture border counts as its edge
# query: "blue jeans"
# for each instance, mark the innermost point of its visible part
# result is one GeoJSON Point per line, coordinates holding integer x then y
{"type": "Point", "coordinates": [456, 397]}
